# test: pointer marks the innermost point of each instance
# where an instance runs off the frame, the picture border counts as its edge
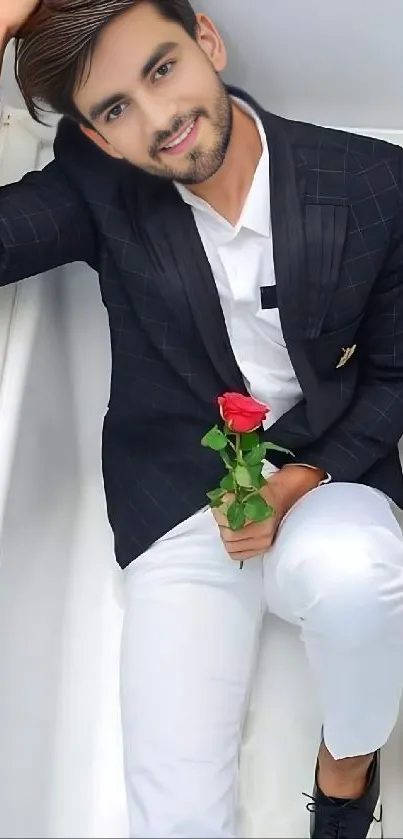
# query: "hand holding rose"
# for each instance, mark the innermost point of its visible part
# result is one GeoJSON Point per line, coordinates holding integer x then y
{"type": "Point", "coordinates": [239, 497]}
{"type": "Point", "coordinates": [248, 509]}
{"type": "Point", "coordinates": [281, 492]}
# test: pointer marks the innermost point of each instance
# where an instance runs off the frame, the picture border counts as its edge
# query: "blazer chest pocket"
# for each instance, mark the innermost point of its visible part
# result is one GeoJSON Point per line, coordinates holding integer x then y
{"type": "Point", "coordinates": [333, 352]}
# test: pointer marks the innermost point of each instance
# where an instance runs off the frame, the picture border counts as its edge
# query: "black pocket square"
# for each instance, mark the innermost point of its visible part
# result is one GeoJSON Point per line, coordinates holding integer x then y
{"type": "Point", "coordinates": [268, 297]}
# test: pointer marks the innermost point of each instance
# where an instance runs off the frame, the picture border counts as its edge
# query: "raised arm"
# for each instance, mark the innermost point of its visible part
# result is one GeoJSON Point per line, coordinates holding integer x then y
{"type": "Point", "coordinates": [43, 224]}
{"type": "Point", "coordinates": [43, 221]}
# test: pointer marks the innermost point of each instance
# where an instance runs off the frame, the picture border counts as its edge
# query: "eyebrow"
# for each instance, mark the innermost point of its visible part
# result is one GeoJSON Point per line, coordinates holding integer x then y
{"type": "Point", "coordinates": [108, 102]}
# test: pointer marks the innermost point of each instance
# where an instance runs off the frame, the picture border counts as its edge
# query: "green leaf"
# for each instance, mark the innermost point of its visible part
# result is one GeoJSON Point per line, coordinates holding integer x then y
{"type": "Point", "coordinates": [242, 494]}
{"type": "Point", "coordinates": [243, 476]}
{"type": "Point", "coordinates": [273, 447]}
{"type": "Point", "coordinates": [249, 441]}
{"type": "Point", "coordinates": [229, 458]}
{"type": "Point", "coordinates": [256, 509]}
{"type": "Point", "coordinates": [215, 497]}
{"type": "Point", "coordinates": [236, 516]}
{"type": "Point", "coordinates": [228, 483]}
{"type": "Point", "coordinates": [256, 455]}
{"type": "Point", "coordinates": [215, 439]}
{"type": "Point", "coordinates": [256, 475]}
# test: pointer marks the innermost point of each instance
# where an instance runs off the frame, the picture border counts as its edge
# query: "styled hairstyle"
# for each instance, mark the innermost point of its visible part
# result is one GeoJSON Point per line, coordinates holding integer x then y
{"type": "Point", "coordinates": [55, 47]}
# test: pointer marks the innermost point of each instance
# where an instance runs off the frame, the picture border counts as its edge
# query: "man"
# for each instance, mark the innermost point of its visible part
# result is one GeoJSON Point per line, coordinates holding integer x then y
{"type": "Point", "coordinates": [237, 251]}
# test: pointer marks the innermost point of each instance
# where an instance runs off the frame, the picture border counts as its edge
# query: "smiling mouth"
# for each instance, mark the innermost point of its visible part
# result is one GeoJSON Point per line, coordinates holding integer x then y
{"type": "Point", "coordinates": [180, 138]}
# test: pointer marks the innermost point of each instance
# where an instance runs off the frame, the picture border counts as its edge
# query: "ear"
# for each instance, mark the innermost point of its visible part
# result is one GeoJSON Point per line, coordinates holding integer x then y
{"type": "Point", "coordinates": [210, 41]}
{"type": "Point", "coordinates": [99, 140]}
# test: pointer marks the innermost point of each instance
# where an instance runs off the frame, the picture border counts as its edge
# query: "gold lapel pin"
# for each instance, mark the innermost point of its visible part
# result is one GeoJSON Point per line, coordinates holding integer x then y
{"type": "Point", "coordinates": [348, 352]}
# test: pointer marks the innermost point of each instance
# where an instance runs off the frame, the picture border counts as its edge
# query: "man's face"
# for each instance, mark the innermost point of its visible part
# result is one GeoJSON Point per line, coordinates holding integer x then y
{"type": "Point", "coordinates": [155, 98]}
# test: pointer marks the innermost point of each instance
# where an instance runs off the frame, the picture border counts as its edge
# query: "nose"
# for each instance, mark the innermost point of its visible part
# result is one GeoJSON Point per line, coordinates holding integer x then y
{"type": "Point", "coordinates": [157, 112]}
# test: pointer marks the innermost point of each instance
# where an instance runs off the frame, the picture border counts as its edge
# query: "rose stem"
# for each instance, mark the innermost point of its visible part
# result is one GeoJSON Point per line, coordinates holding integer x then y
{"type": "Point", "coordinates": [238, 452]}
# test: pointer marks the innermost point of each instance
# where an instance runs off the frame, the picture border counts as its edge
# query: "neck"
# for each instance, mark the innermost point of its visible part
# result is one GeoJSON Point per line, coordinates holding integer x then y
{"type": "Point", "coordinates": [228, 189]}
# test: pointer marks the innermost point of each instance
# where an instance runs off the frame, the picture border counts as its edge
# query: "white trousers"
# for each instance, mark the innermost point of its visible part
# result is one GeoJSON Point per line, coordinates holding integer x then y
{"type": "Point", "coordinates": [190, 637]}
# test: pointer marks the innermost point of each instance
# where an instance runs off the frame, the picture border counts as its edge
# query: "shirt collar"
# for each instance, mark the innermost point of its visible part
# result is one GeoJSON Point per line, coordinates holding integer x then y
{"type": "Point", "coordinates": [255, 215]}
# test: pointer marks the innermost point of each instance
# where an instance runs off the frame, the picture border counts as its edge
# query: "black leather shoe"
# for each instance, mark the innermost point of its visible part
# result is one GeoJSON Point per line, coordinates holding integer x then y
{"type": "Point", "coordinates": [339, 818]}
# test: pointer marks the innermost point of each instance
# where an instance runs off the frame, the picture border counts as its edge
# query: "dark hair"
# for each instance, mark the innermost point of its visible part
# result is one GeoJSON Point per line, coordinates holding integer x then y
{"type": "Point", "coordinates": [56, 44]}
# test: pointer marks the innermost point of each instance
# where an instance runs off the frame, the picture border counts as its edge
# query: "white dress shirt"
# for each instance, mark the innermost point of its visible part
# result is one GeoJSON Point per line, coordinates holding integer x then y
{"type": "Point", "coordinates": [241, 259]}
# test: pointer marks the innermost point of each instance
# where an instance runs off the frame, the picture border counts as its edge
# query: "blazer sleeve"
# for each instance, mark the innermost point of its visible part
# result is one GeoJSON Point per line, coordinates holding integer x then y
{"type": "Point", "coordinates": [373, 424]}
{"type": "Point", "coordinates": [43, 224]}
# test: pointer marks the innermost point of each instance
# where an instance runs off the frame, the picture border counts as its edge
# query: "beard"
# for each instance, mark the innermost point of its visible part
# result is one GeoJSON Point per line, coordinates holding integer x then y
{"type": "Point", "coordinates": [201, 163]}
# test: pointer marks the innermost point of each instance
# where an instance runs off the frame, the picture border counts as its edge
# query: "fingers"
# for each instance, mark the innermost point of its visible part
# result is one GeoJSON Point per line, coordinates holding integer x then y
{"type": "Point", "coordinates": [220, 518]}
{"type": "Point", "coordinates": [253, 530]}
{"type": "Point", "coordinates": [249, 542]}
{"type": "Point", "coordinates": [247, 553]}
{"type": "Point", "coordinates": [219, 513]}
{"type": "Point", "coordinates": [240, 547]}
{"type": "Point", "coordinates": [222, 522]}
{"type": "Point", "coordinates": [252, 540]}
{"type": "Point", "coordinates": [243, 557]}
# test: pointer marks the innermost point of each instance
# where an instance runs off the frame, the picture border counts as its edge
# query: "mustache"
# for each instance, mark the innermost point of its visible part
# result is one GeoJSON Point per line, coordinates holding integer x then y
{"type": "Point", "coordinates": [162, 138]}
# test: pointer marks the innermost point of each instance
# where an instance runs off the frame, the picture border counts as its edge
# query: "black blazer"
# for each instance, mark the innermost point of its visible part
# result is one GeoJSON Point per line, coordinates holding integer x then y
{"type": "Point", "coordinates": [337, 220]}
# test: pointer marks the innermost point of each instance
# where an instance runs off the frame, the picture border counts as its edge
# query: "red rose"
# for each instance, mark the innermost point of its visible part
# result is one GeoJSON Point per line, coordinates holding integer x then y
{"type": "Point", "coordinates": [242, 413]}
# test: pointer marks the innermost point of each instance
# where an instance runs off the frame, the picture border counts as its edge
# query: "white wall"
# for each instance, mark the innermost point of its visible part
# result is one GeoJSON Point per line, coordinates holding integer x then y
{"type": "Point", "coordinates": [35, 549]}
{"type": "Point", "coordinates": [60, 751]}
{"type": "Point", "coordinates": [336, 62]}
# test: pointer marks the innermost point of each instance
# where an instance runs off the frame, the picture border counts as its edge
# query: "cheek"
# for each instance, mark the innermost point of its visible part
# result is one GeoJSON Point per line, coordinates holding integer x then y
{"type": "Point", "coordinates": [127, 141]}
{"type": "Point", "coordinates": [195, 86]}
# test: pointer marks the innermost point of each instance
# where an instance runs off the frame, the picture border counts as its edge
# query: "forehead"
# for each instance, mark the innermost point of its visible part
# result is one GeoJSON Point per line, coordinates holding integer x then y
{"type": "Point", "coordinates": [123, 50]}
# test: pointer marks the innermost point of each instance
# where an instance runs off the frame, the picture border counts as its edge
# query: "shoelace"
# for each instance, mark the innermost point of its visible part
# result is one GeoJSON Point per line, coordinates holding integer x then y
{"type": "Point", "coordinates": [335, 825]}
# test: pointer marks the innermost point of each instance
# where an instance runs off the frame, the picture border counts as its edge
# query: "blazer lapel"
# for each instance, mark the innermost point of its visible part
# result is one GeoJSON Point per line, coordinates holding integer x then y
{"type": "Point", "coordinates": [183, 273]}
{"type": "Point", "coordinates": [325, 232]}
{"type": "Point", "coordinates": [288, 229]}
{"type": "Point", "coordinates": [308, 242]}
{"type": "Point", "coordinates": [308, 237]}
{"type": "Point", "coordinates": [287, 191]}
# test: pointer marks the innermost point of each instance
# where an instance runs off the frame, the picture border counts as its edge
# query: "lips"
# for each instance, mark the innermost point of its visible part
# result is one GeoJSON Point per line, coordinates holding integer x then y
{"type": "Point", "coordinates": [180, 137]}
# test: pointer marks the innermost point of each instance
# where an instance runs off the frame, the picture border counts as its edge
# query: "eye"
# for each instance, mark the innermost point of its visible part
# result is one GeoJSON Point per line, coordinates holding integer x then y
{"type": "Point", "coordinates": [163, 70]}
{"type": "Point", "coordinates": [115, 112]}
